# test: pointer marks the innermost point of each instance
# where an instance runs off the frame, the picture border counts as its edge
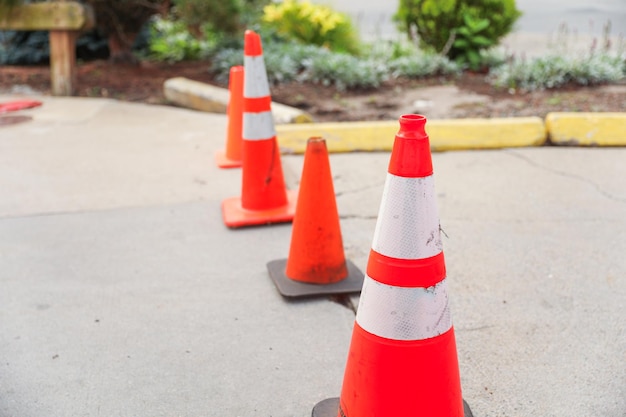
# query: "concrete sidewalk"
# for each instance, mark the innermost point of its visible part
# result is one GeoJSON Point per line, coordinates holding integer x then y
{"type": "Point", "coordinates": [123, 294]}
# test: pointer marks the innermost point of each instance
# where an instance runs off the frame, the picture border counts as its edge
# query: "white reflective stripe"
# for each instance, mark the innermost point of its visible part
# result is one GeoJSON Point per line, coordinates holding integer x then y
{"type": "Point", "coordinates": [402, 313]}
{"type": "Point", "coordinates": [255, 82]}
{"type": "Point", "coordinates": [258, 126]}
{"type": "Point", "coordinates": [408, 222]}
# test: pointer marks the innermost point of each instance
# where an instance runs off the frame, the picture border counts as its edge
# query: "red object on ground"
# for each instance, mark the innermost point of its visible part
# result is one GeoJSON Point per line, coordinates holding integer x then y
{"type": "Point", "coordinates": [18, 105]}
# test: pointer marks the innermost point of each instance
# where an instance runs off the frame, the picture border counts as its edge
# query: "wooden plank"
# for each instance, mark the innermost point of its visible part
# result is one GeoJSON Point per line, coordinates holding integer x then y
{"type": "Point", "coordinates": [66, 15]}
{"type": "Point", "coordinates": [63, 62]}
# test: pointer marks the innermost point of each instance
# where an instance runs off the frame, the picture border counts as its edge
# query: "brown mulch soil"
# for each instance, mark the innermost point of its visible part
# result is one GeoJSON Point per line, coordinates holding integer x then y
{"type": "Point", "coordinates": [144, 83]}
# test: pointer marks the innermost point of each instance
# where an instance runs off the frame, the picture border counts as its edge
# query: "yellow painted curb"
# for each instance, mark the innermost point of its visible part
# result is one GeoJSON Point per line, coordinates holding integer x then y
{"type": "Point", "coordinates": [587, 129]}
{"type": "Point", "coordinates": [445, 135]}
{"type": "Point", "coordinates": [209, 98]}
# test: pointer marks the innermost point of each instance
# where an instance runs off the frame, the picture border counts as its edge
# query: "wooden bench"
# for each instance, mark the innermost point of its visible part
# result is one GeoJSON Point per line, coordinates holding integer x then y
{"type": "Point", "coordinates": [64, 20]}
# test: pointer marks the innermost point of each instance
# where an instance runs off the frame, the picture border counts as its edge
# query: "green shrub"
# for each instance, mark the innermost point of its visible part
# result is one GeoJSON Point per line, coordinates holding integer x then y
{"type": "Point", "coordinates": [308, 63]}
{"type": "Point", "coordinates": [221, 15]}
{"type": "Point", "coordinates": [283, 61]}
{"type": "Point", "coordinates": [469, 40]}
{"type": "Point", "coordinates": [293, 61]}
{"type": "Point", "coordinates": [458, 28]}
{"type": "Point", "coordinates": [312, 24]}
{"type": "Point", "coordinates": [170, 40]}
{"type": "Point", "coordinates": [556, 70]}
{"type": "Point", "coordinates": [121, 21]}
{"type": "Point", "coordinates": [422, 65]}
{"type": "Point", "coordinates": [404, 59]}
{"type": "Point", "coordinates": [346, 71]}
{"type": "Point", "coordinates": [7, 4]}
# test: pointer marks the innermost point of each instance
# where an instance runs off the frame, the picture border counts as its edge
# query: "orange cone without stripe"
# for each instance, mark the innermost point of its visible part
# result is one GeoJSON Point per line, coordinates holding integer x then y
{"type": "Point", "coordinates": [231, 155]}
{"type": "Point", "coordinates": [264, 197]}
{"type": "Point", "coordinates": [316, 263]}
{"type": "Point", "coordinates": [402, 359]}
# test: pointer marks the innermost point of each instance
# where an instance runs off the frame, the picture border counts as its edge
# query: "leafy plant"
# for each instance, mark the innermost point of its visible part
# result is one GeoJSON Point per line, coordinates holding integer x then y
{"type": "Point", "coordinates": [221, 15]}
{"type": "Point", "coordinates": [170, 40]}
{"type": "Point", "coordinates": [292, 61]}
{"type": "Point", "coordinates": [312, 24]}
{"type": "Point", "coordinates": [556, 70]}
{"type": "Point", "coordinates": [423, 64]}
{"type": "Point", "coordinates": [8, 4]}
{"type": "Point", "coordinates": [24, 48]}
{"type": "Point", "coordinates": [493, 57]}
{"type": "Point", "coordinates": [435, 22]}
{"type": "Point", "coordinates": [121, 21]}
{"type": "Point", "coordinates": [604, 63]}
{"type": "Point", "coordinates": [346, 71]}
{"type": "Point", "coordinates": [469, 40]}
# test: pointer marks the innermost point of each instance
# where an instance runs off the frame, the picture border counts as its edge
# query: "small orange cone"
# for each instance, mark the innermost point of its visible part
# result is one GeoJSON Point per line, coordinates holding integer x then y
{"type": "Point", "coordinates": [316, 264]}
{"type": "Point", "coordinates": [231, 156]}
{"type": "Point", "coordinates": [402, 359]}
{"type": "Point", "coordinates": [264, 197]}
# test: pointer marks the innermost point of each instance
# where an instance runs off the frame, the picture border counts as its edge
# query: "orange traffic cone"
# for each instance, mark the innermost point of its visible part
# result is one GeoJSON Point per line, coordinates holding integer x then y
{"type": "Point", "coordinates": [264, 197]}
{"type": "Point", "coordinates": [402, 359]}
{"type": "Point", "coordinates": [316, 264]}
{"type": "Point", "coordinates": [231, 155]}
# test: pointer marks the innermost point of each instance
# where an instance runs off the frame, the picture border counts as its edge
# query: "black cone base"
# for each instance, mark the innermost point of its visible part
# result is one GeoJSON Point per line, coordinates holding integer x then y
{"type": "Point", "coordinates": [330, 408]}
{"type": "Point", "coordinates": [326, 408]}
{"type": "Point", "coordinates": [291, 288]}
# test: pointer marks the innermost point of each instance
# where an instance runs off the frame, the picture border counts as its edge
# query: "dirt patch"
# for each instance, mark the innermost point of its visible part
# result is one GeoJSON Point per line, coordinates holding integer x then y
{"type": "Point", "coordinates": [436, 97]}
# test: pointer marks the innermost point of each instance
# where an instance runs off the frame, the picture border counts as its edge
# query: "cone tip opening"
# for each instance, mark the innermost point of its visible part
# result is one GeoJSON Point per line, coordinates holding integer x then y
{"type": "Point", "coordinates": [412, 126]}
{"type": "Point", "coordinates": [412, 117]}
{"type": "Point", "coordinates": [316, 139]}
{"type": "Point", "coordinates": [410, 156]}
{"type": "Point", "coordinates": [412, 121]}
{"type": "Point", "coordinates": [316, 144]}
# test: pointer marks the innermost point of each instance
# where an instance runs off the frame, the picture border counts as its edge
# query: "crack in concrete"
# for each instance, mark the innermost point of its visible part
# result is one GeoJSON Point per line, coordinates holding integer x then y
{"type": "Point", "coordinates": [358, 190]}
{"type": "Point", "coordinates": [599, 189]}
{"type": "Point", "coordinates": [354, 216]}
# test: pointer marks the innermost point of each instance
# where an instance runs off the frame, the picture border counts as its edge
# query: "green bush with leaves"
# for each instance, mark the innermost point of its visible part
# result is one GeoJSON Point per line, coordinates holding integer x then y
{"type": "Point", "coordinates": [469, 40]}
{"type": "Point", "coordinates": [121, 22]}
{"type": "Point", "coordinates": [553, 71]}
{"type": "Point", "coordinates": [170, 40]}
{"type": "Point", "coordinates": [460, 29]}
{"type": "Point", "coordinates": [290, 61]}
{"type": "Point", "coordinates": [312, 24]}
{"type": "Point", "coordinates": [7, 4]}
{"type": "Point", "coordinates": [221, 15]}
{"type": "Point", "coordinates": [404, 59]}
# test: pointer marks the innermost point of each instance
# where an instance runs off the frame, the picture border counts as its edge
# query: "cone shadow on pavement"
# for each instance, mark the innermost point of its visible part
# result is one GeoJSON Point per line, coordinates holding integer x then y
{"type": "Point", "coordinates": [402, 359]}
{"type": "Point", "coordinates": [264, 197]}
{"type": "Point", "coordinates": [316, 264]}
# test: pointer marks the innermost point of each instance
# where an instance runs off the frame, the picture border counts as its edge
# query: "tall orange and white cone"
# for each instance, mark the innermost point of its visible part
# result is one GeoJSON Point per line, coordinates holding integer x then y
{"type": "Point", "coordinates": [402, 359]}
{"type": "Point", "coordinates": [316, 264]}
{"type": "Point", "coordinates": [264, 197]}
{"type": "Point", "coordinates": [231, 156]}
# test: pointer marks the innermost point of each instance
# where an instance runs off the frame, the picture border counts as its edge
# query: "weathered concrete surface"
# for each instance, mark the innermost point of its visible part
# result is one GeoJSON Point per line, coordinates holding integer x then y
{"type": "Point", "coordinates": [122, 293]}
